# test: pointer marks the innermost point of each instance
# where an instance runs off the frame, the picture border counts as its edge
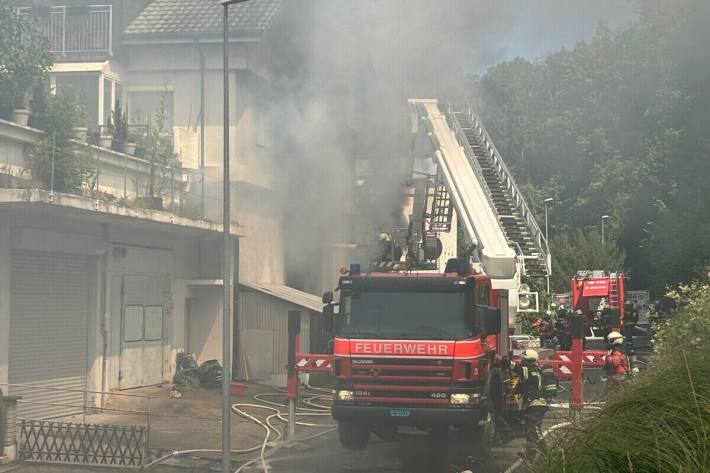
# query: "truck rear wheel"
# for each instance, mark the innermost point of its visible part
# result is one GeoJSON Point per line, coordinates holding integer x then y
{"type": "Point", "coordinates": [353, 436]}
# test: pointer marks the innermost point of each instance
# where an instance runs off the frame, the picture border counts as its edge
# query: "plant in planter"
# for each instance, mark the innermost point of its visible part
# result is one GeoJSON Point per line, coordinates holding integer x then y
{"type": "Point", "coordinates": [106, 136]}
{"type": "Point", "coordinates": [159, 152]}
{"type": "Point", "coordinates": [119, 125]}
{"type": "Point", "coordinates": [24, 58]}
{"type": "Point", "coordinates": [57, 150]}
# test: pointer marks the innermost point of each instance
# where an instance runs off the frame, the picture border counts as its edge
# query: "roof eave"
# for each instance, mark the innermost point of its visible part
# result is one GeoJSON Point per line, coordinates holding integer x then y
{"type": "Point", "coordinates": [209, 37]}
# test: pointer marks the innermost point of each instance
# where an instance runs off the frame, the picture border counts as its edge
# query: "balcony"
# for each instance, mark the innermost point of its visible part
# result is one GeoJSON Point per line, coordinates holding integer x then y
{"type": "Point", "coordinates": [75, 31]}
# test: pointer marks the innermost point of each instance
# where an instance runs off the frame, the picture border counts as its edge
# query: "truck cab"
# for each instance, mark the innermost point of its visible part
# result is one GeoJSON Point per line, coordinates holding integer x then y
{"type": "Point", "coordinates": [416, 349]}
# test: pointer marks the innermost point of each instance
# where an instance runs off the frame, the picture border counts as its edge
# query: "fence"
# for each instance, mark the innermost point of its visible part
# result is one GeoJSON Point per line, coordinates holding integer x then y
{"type": "Point", "coordinates": [82, 444]}
{"type": "Point", "coordinates": [75, 29]}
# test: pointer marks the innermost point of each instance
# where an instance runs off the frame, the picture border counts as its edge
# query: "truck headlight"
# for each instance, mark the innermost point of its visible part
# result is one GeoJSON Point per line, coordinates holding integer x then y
{"type": "Point", "coordinates": [344, 395]}
{"type": "Point", "coordinates": [459, 399]}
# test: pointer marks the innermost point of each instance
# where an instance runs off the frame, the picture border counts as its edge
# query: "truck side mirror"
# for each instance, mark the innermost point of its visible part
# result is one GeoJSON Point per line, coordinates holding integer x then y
{"type": "Point", "coordinates": [327, 297]}
{"type": "Point", "coordinates": [491, 322]}
{"type": "Point", "coordinates": [328, 316]}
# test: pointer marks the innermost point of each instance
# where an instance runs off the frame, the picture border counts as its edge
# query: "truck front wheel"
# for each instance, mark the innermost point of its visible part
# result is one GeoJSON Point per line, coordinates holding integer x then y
{"type": "Point", "coordinates": [353, 436]}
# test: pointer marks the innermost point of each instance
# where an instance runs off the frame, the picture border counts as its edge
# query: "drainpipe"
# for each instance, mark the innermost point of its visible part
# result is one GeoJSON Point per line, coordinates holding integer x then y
{"type": "Point", "coordinates": [202, 127]}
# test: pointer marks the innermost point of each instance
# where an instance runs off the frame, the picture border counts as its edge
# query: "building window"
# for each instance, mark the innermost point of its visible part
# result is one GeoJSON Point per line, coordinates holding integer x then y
{"type": "Point", "coordinates": [153, 322]}
{"type": "Point", "coordinates": [133, 323]}
{"type": "Point", "coordinates": [108, 101]}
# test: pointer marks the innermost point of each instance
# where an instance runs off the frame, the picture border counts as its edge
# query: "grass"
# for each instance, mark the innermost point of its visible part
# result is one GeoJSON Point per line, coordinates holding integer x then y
{"type": "Point", "coordinates": [660, 422]}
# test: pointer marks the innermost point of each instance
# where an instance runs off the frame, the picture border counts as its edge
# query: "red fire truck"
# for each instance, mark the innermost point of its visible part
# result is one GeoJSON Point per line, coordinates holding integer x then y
{"type": "Point", "coordinates": [416, 349]}
{"type": "Point", "coordinates": [600, 297]}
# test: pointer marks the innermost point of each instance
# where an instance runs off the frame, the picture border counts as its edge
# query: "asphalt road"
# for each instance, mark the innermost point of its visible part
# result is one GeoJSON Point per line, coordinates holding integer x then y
{"type": "Point", "coordinates": [418, 454]}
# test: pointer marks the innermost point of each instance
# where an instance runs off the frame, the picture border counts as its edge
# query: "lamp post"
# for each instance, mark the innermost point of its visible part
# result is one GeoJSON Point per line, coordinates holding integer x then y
{"type": "Point", "coordinates": [226, 254]}
{"type": "Point", "coordinates": [547, 203]}
{"type": "Point", "coordinates": [604, 217]}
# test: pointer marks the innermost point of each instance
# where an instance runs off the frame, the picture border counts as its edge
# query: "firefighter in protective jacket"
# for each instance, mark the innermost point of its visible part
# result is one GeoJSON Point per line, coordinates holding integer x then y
{"type": "Point", "coordinates": [615, 362]}
{"type": "Point", "coordinates": [536, 386]}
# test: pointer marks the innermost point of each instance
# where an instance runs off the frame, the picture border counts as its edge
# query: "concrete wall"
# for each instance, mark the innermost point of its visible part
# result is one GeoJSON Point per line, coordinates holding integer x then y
{"type": "Point", "coordinates": [255, 202]}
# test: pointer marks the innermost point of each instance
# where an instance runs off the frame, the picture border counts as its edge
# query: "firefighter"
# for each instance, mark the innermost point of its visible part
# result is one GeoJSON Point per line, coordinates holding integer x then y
{"type": "Point", "coordinates": [615, 363]}
{"type": "Point", "coordinates": [546, 331]}
{"type": "Point", "coordinates": [562, 328]}
{"type": "Point", "coordinates": [391, 251]}
{"type": "Point", "coordinates": [536, 386]}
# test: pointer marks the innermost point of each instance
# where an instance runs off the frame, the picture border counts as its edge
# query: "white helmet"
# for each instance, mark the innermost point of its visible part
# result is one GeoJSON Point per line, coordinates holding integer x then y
{"type": "Point", "coordinates": [615, 338]}
{"type": "Point", "coordinates": [530, 355]}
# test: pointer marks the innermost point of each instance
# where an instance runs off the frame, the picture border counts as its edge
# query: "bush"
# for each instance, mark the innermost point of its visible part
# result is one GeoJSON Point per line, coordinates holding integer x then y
{"type": "Point", "coordinates": [661, 421]}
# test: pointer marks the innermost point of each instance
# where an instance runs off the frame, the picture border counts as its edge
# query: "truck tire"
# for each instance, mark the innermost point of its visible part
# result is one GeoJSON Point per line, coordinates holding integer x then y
{"type": "Point", "coordinates": [353, 436]}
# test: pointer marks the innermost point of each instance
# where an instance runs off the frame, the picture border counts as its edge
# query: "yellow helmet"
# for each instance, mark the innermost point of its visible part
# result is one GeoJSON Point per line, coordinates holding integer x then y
{"type": "Point", "coordinates": [384, 236]}
{"type": "Point", "coordinates": [615, 338]}
{"type": "Point", "coordinates": [530, 355]}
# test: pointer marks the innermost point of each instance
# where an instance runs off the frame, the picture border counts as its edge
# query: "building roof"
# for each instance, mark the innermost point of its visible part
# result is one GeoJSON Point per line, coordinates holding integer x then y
{"type": "Point", "coordinates": [294, 296]}
{"type": "Point", "coordinates": [202, 16]}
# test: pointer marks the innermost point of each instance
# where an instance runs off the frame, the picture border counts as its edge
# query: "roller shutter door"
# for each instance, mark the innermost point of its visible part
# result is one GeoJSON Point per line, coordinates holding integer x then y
{"type": "Point", "coordinates": [49, 307]}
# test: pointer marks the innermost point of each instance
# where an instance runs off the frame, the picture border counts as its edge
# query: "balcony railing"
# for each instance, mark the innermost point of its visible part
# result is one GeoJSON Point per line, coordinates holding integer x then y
{"type": "Point", "coordinates": [72, 30]}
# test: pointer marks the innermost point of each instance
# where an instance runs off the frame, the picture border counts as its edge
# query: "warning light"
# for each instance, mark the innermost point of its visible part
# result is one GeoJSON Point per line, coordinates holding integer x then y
{"type": "Point", "coordinates": [343, 271]}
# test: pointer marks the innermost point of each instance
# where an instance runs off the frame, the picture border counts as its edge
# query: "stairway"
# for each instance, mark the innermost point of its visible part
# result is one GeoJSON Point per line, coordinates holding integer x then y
{"type": "Point", "coordinates": [517, 222]}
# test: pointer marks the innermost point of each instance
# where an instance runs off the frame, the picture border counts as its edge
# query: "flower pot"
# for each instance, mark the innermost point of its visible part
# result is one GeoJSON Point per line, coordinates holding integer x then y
{"type": "Point", "coordinates": [130, 148]}
{"type": "Point", "coordinates": [105, 141]}
{"type": "Point", "coordinates": [119, 145]}
{"type": "Point", "coordinates": [21, 116]}
{"type": "Point", "coordinates": [80, 133]}
{"type": "Point", "coordinates": [238, 389]}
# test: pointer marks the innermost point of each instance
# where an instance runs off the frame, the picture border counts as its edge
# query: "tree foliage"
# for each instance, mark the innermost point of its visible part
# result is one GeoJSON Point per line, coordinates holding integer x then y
{"type": "Point", "coordinates": [617, 126]}
{"type": "Point", "coordinates": [56, 157]}
{"type": "Point", "coordinates": [24, 57]}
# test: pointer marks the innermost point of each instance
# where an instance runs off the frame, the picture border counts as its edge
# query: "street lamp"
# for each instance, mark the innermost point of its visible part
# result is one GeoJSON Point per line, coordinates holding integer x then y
{"type": "Point", "coordinates": [226, 255]}
{"type": "Point", "coordinates": [547, 203]}
{"type": "Point", "coordinates": [604, 217]}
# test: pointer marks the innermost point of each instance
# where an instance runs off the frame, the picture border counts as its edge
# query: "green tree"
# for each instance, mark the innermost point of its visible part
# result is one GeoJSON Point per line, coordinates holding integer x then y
{"type": "Point", "coordinates": [24, 57]}
{"type": "Point", "coordinates": [56, 157]}
{"type": "Point", "coordinates": [614, 126]}
{"type": "Point", "coordinates": [584, 252]}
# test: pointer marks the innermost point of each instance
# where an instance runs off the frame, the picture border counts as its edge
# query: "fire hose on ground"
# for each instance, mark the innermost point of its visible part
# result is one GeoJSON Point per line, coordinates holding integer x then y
{"type": "Point", "coordinates": [271, 432]}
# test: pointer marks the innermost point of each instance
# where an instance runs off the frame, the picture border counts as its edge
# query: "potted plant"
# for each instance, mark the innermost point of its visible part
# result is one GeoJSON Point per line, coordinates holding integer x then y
{"type": "Point", "coordinates": [20, 110]}
{"type": "Point", "coordinates": [130, 147]}
{"type": "Point", "coordinates": [24, 62]}
{"type": "Point", "coordinates": [80, 133]}
{"type": "Point", "coordinates": [119, 125]}
{"type": "Point", "coordinates": [106, 137]}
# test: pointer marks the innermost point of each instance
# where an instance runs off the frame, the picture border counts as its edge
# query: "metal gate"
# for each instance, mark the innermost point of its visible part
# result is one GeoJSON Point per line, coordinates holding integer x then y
{"type": "Point", "coordinates": [82, 444]}
{"type": "Point", "coordinates": [49, 309]}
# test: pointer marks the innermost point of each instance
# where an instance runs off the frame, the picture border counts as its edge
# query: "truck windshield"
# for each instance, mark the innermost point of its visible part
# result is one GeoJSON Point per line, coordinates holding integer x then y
{"type": "Point", "coordinates": [405, 315]}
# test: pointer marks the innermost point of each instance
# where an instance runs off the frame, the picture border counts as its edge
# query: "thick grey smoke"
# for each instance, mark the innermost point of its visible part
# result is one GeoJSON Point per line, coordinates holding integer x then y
{"type": "Point", "coordinates": [346, 74]}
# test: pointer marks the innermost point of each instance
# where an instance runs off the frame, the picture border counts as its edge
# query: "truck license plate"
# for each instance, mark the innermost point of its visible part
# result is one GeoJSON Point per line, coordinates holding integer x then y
{"type": "Point", "coordinates": [399, 412]}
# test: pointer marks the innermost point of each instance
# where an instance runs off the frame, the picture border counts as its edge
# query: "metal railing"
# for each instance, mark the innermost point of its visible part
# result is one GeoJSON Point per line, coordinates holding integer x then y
{"type": "Point", "coordinates": [468, 151]}
{"type": "Point", "coordinates": [75, 29]}
{"type": "Point", "coordinates": [517, 196]}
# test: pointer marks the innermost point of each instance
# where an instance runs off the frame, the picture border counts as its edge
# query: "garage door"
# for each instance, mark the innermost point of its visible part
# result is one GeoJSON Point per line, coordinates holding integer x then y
{"type": "Point", "coordinates": [49, 307]}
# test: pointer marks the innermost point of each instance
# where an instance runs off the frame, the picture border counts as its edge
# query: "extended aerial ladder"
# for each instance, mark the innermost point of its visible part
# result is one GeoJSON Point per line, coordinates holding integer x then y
{"type": "Point", "coordinates": [492, 211]}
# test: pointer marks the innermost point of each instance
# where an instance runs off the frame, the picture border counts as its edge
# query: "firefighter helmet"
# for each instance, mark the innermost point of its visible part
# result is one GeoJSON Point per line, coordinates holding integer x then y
{"type": "Point", "coordinates": [615, 338]}
{"type": "Point", "coordinates": [530, 355]}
